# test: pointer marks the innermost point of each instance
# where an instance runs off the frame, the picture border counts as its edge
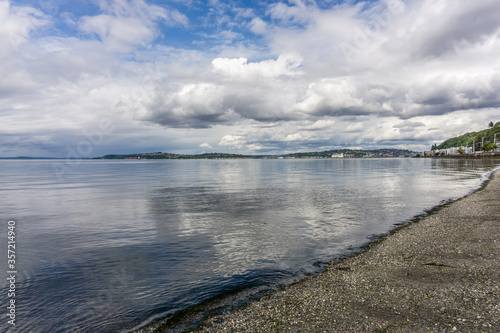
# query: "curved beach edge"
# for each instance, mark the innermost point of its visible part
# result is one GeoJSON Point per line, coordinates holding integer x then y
{"type": "Point", "coordinates": [438, 273]}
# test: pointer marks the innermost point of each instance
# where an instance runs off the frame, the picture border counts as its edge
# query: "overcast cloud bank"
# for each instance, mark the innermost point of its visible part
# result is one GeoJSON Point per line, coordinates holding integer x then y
{"type": "Point", "coordinates": [239, 77]}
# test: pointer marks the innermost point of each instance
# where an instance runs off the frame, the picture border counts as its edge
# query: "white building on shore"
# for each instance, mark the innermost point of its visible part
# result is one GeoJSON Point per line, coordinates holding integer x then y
{"type": "Point", "coordinates": [449, 151]}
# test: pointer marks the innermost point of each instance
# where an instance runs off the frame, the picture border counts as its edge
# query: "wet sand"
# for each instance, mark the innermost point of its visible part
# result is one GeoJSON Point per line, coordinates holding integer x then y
{"type": "Point", "coordinates": [438, 274]}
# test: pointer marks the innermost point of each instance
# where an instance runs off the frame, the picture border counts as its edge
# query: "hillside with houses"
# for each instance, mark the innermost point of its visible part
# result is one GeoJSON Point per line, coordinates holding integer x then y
{"type": "Point", "coordinates": [485, 141]}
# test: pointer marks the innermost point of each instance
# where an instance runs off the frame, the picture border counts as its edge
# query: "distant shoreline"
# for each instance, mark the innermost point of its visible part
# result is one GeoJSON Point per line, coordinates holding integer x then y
{"type": "Point", "coordinates": [257, 157]}
{"type": "Point", "coordinates": [344, 153]}
{"type": "Point", "coordinates": [467, 156]}
{"type": "Point", "coordinates": [461, 157]}
{"type": "Point", "coordinates": [30, 158]}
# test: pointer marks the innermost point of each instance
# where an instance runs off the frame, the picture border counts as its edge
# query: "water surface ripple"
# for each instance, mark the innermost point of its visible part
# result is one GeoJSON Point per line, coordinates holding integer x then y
{"type": "Point", "coordinates": [115, 244]}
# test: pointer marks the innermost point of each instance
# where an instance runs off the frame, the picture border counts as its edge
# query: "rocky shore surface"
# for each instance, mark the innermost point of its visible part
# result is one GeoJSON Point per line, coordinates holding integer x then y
{"type": "Point", "coordinates": [439, 274]}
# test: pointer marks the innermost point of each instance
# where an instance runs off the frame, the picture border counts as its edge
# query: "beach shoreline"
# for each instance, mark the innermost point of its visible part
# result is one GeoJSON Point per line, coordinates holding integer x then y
{"type": "Point", "coordinates": [438, 273]}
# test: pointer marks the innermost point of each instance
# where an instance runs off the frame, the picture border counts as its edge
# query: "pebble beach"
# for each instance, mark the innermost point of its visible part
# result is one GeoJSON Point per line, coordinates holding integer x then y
{"type": "Point", "coordinates": [438, 274]}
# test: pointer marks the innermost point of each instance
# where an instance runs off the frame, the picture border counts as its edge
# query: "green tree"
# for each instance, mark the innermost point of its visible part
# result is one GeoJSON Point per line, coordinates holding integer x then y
{"type": "Point", "coordinates": [461, 150]}
{"type": "Point", "coordinates": [490, 125]}
{"type": "Point", "coordinates": [490, 146]}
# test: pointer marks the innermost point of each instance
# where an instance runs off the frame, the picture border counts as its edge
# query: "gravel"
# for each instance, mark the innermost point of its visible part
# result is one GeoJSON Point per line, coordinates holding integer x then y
{"type": "Point", "coordinates": [438, 274]}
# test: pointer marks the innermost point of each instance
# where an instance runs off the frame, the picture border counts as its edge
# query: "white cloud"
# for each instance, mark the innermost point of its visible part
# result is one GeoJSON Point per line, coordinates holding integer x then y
{"type": "Point", "coordinates": [239, 68]}
{"type": "Point", "coordinates": [333, 97]}
{"type": "Point", "coordinates": [258, 26]}
{"type": "Point", "coordinates": [232, 140]}
{"type": "Point", "coordinates": [18, 22]}
{"type": "Point", "coordinates": [117, 33]}
{"type": "Point", "coordinates": [128, 23]}
{"type": "Point", "coordinates": [205, 145]}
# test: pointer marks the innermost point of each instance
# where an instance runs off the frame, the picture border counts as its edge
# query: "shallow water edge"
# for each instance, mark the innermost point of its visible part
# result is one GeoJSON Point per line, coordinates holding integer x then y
{"type": "Point", "coordinates": [193, 318]}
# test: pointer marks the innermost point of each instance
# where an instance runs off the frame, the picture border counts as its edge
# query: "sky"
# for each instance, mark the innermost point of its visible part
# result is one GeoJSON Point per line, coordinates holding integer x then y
{"type": "Point", "coordinates": [89, 78]}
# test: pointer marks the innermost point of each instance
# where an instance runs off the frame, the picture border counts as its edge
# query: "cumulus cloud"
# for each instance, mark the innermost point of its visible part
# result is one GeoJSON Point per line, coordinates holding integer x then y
{"type": "Point", "coordinates": [193, 105]}
{"type": "Point", "coordinates": [333, 97]}
{"type": "Point", "coordinates": [256, 90]}
{"type": "Point", "coordinates": [234, 89]}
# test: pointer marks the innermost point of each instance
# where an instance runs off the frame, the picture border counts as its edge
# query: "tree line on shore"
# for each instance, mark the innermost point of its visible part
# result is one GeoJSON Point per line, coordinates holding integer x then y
{"type": "Point", "coordinates": [387, 152]}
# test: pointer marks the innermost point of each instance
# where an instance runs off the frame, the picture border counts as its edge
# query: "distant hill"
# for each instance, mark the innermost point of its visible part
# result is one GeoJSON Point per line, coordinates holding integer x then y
{"type": "Point", "coordinates": [170, 156]}
{"type": "Point", "coordinates": [467, 139]}
{"type": "Point", "coordinates": [324, 154]}
{"type": "Point", "coordinates": [358, 153]}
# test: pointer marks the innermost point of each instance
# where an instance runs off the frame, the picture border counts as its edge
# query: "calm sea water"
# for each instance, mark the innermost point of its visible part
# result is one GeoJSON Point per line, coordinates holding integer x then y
{"type": "Point", "coordinates": [113, 245]}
